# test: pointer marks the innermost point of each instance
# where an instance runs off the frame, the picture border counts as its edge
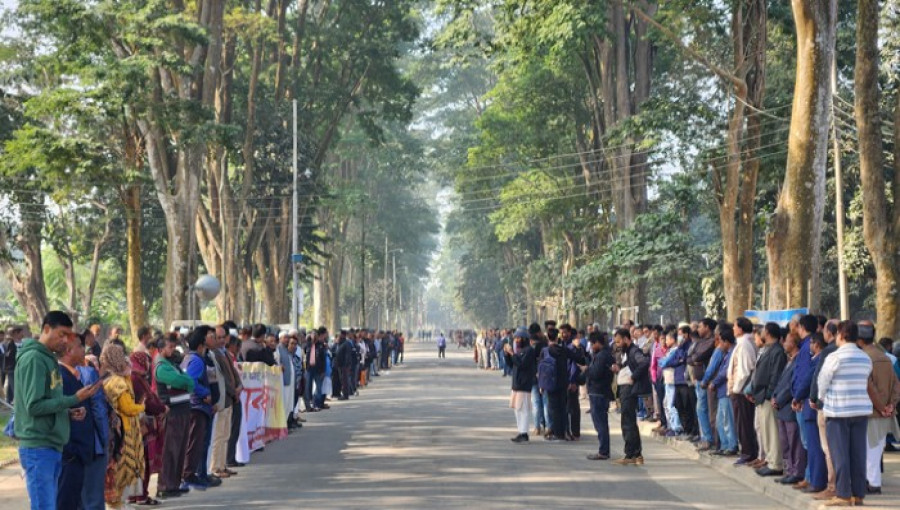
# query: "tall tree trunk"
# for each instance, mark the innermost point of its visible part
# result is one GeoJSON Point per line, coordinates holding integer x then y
{"type": "Point", "coordinates": [881, 219]}
{"type": "Point", "coordinates": [27, 276]}
{"type": "Point", "coordinates": [794, 240]}
{"type": "Point", "coordinates": [134, 295]}
{"type": "Point", "coordinates": [99, 243]}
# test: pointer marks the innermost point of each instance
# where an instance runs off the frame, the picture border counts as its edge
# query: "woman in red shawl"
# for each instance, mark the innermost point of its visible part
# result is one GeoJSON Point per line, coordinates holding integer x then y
{"type": "Point", "coordinates": [151, 425]}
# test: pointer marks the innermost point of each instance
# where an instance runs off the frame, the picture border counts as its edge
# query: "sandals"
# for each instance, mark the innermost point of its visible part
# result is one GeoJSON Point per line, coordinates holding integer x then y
{"type": "Point", "coordinates": [147, 502]}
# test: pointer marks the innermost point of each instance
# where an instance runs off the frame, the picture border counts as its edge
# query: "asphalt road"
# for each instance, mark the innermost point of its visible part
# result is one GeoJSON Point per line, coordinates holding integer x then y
{"type": "Point", "coordinates": [435, 433]}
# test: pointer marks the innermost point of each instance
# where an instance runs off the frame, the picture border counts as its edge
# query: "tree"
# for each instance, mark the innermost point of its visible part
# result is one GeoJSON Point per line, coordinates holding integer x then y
{"type": "Point", "coordinates": [793, 242]}
{"type": "Point", "coordinates": [881, 218]}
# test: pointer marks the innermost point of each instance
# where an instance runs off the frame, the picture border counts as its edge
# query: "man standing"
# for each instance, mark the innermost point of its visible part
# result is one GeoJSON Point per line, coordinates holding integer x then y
{"type": "Point", "coordinates": [762, 388]}
{"type": "Point", "coordinates": [842, 380]}
{"type": "Point", "coordinates": [830, 333]}
{"type": "Point", "coordinates": [792, 452]}
{"type": "Point", "coordinates": [884, 392]}
{"type": "Point", "coordinates": [633, 379]}
{"type": "Point", "coordinates": [283, 357]}
{"type": "Point", "coordinates": [804, 366]}
{"type": "Point", "coordinates": [223, 422]}
{"type": "Point", "coordinates": [254, 348]}
{"type": "Point", "coordinates": [599, 388]}
{"type": "Point", "coordinates": [43, 411]}
{"type": "Point", "coordinates": [174, 389]}
{"type": "Point", "coordinates": [442, 346]}
{"type": "Point", "coordinates": [144, 335]}
{"type": "Point", "coordinates": [232, 350]}
{"type": "Point", "coordinates": [699, 357]}
{"type": "Point", "coordinates": [343, 363]}
{"type": "Point", "coordinates": [740, 368]}
{"type": "Point", "coordinates": [201, 407]}
{"type": "Point", "coordinates": [79, 451]}
{"type": "Point", "coordinates": [576, 357]}
{"type": "Point", "coordinates": [8, 350]}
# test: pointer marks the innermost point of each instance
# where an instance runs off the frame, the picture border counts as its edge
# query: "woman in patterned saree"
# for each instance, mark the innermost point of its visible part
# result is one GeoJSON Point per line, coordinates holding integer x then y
{"type": "Point", "coordinates": [126, 464]}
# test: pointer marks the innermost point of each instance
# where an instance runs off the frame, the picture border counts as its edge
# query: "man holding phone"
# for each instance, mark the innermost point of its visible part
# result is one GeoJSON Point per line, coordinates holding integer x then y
{"type": "Point", "coordinates": [42, 410]}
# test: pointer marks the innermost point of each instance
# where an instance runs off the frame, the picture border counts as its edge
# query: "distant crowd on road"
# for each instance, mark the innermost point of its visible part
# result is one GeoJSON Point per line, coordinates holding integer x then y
{"type": "Point", "coordinates": [93, 422]}
{"type": "Point", "coordinates": [812, 404]}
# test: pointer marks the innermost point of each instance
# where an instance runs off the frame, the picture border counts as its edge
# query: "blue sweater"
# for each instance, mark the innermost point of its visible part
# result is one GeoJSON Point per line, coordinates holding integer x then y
{"type": "Point", "coordinates": [721, 379]}
{"type": "Point", "coordinates": [677, 359]}
{"type": "Point", "coordinates": [99, 410]}
{"type": "Point", "coordinates": [713, 366]}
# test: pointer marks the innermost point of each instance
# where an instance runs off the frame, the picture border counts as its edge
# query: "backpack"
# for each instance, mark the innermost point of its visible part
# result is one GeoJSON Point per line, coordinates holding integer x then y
{"type": "Point", "coordinates": [547, 372]}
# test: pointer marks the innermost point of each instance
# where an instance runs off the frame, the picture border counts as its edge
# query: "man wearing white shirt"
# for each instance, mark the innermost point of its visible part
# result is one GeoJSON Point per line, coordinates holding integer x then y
{"type": "Point", "coordinates": [740, 369]}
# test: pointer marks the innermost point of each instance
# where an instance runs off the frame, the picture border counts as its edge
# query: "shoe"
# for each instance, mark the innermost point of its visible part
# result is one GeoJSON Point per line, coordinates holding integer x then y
{"type": "Point", "coordinates": [789, 480]}
{"type": "Point", "coordinates": [836, 501]}
{"type": "Point", "coordinates": [639, 460]}
{"type": "Point", "coordinates": [703, 446]}
{"type": "Point", "coordinates": [597, 456]}
{"type": "Point", "coordinates": [168, 494]}
{"type": "Point", "coordinates": [695, 439]}
{"type": "Point", "coordinates": [222, 474]}
{"type": "Point", "coordinates": [767, 471]}
{"type": "Point", "coordinates": [757, 464]}
{"type": "Point", "coordinates": [730, 453]}
{"type": "Point", "coordinates": [872, 489]}
{"type": "Point", "coordinates": [857, 501]}
{"type": "Point", "coordinates": [521, 438]}
{"type": "Point", "coordinates": [537, 431]}
{"type": "Point", "coordinates": [717, 453]}
{"type": "Point", "coordinates": [184, 489]}
{"type": "Point", "coordinates": [343, 398]}
{"type": "Point", "coordinates": [802, 484]}
{"type": "Point", "coordinates": [326, 406]}
{"type": "Point", "coordinates": [671, 433]}
{"type": "Point", "coordinates": [213, 480]}
{"type": "Point", "coordinates": [743, 461]}
{"type": "Point", "coordinates": [551, 437]}
{"type": "Point", "coordinates": [684, 437]}
{"type": "Point", "coordinates": [195, 482]}
{"type": "Point", "coordinates": [812, 490]}
{"type": "Point", "coordinates": [625, 461]}
{"type": "Point", "coordinates": [825, 495]}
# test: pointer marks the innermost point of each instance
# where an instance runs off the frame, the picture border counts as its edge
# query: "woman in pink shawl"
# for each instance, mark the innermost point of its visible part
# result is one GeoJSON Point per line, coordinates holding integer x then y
{"type": "Point", "coordinates": [152, 425]}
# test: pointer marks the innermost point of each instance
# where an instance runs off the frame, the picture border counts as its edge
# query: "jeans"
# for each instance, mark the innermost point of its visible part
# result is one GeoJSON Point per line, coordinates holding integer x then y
{"type": "Point", "coordinates": [600, 417]}
{"type": "Point", "coordinates": [319, 397]}
{"type": "Point", "coordinates": [92, 497]}
{"type": "Point", "coordinates": [538, 406]}
{"type": "Point", "coordinates": [203, 467]}
{"type": "Point", "coordinates": [42, 468]}
{"type": "Point", "coordinates": [672, 413]}
{"type": "Point", "coordinates": [725, 425]}
{"type": "Point", "coordinates": [703, 414]}
{"type": "Point", "coordinates": [660, 393]}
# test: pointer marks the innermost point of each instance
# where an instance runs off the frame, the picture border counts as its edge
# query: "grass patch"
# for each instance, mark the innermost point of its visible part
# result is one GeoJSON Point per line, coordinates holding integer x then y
{"type": "Point", "coordinates": [8, 447]}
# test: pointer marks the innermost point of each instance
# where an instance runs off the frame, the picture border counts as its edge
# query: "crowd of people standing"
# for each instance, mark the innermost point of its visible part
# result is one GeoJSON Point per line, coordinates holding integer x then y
{"type": "Point", "coordinates": [93, 422]}
{"type": "Point", "coordinates": [811, 405]}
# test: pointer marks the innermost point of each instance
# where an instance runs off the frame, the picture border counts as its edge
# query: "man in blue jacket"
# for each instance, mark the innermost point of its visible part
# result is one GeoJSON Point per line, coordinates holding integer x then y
{"type": "Point", "coordinates": [804, 367]}
{"type": "Point", "coordinates": [725, 417]}
{"type": "Point", "coordinates": [202, 410]}
{"type": "Point", "coordinates": [79, 451]}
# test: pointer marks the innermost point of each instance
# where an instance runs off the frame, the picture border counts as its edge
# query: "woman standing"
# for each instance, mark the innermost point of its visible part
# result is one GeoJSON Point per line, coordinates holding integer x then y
{"type": "Point", "coordinates": [524, 370]}
{"type": "Point", "coordinates": [152, 425]}
{"type": "Point", "coordinates": [126, 464]}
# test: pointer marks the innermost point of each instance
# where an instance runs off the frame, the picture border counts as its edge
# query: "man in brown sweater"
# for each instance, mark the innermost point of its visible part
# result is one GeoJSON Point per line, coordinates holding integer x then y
{"type": "Point", "coordinates": [884, 391]}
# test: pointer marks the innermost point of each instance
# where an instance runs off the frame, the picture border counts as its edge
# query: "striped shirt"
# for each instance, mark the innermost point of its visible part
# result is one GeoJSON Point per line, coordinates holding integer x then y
{"type": "Point", "coordinates": [842, 383]}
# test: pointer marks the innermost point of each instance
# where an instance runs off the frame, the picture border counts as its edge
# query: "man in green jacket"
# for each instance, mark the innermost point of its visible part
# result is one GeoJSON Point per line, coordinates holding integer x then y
{"type": "Point", "coordinates": [42, 411]}
{"type": "Point", "coordinates": [174, 388]}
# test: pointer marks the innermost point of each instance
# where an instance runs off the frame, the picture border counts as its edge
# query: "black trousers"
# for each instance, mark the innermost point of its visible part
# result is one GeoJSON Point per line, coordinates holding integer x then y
{"type": "Point", "coordinates": [630, 432]}
{"type": "Point", "coordinates": [346, 374]}
{"type": "Point", "coordinates": [686, 404]}
{"type": "Point", "coordinates": [573, 409]}
{"type": "Point", "coordinates": [196, 443]}
{"type": "Point", "coordinates": [743, 422]}
{"type": "Point", "coordinates": [178, 424]}
{"type": "Point", "coordinates": [556, 403]}
{"type": "Point", "coordinates": [237, 411]}
{"type": "Point", "coordinates": [71, 480]}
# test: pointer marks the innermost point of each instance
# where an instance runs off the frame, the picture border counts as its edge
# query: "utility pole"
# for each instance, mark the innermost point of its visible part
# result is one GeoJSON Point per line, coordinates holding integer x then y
{"type": "Point", "coordinates": [387, 315]}
{"type": "Point", "coordinates": [295, 316]}
{"type": "Point", "coordinates": [362, 281]}
{"type": "Point", "coordinates": [394, 288]}
{"type": "Point", "coordinates": [838, 200]}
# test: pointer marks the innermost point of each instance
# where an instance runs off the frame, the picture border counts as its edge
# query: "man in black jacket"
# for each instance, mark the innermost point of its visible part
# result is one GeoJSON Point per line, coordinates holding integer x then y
{"type": "Point", "coordinates": [762, 388]}
{"type": "Point", "coordinates": [557, 395]}
{"type": "Point", "coordinates": [599, 387]}
{"type": "Point", "coordinates": [633, 378]}
{"type": "Point", "coordinates": [698, 360]}
{"type": "Point", "coordinates": [8, 352]}
{"type": "Point", "coordinates": [793, 453]}
{"type": "Point", "coordinates": [343, 363]}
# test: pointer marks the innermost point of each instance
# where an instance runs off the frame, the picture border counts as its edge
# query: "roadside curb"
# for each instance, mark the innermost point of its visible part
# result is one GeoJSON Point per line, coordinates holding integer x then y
{"type": "Point", "coordinates": [746, 477]}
